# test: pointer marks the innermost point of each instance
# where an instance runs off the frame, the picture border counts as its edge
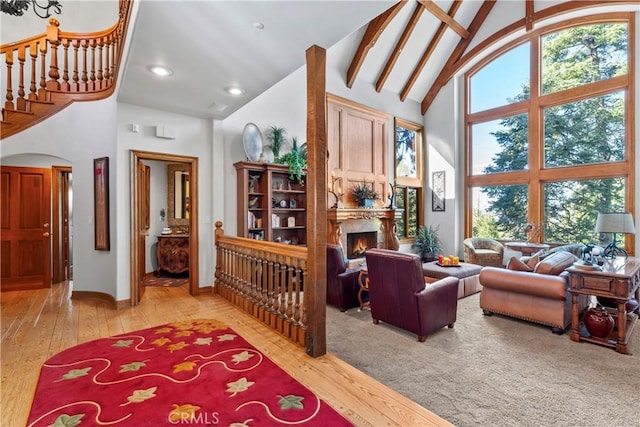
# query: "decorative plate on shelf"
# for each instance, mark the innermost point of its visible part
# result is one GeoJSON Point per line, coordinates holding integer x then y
{"type": "Point", "coordinates": [252, 141]}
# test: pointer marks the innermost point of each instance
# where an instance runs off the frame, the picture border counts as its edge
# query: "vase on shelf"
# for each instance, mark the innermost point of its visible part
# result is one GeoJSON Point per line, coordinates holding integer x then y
{"type": "Point", "coordinates": [598, 322]}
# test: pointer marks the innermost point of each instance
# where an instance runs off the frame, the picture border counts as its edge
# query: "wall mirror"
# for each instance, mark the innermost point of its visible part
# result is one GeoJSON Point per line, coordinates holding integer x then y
{"type": "Point", "coordinates": [178, 196]}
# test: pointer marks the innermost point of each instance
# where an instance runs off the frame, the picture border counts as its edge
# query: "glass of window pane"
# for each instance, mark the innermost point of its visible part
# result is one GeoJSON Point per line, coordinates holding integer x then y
{"type": "Point", "coordinates": [500, 145]}
{"type": "Point", "coordinates": [577, 56]}
{"type": "Point", "coordinates": [571, 208]}
{"type": "Point", "coordinates": [503, 81]}
{"type": "Point", "coordinates": [400, 213]}
{"type": "Point", "coordinates": [588, 131]}
{"type": "Point", "coordinates": [412, 210]}
{"type": "Point", "coordinates": [500, 211]}
{"type": "Point", "coordinates": [406, 152]}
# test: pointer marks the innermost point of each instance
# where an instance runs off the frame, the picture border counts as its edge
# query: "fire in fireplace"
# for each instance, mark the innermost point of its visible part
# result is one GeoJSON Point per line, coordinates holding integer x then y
{"type": "Point", "coordinates": [358, 243]}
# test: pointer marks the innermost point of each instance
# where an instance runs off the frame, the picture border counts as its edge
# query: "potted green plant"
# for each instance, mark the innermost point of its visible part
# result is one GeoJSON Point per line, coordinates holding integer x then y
{"type": "Point", "coordinates": [365, 194]}
{"type": "Point", "coordinates": [276, 135]}
{"type": "Point", "coordinates": [427, 244]}
{"type": "Point", "coordinates": [296, 159]}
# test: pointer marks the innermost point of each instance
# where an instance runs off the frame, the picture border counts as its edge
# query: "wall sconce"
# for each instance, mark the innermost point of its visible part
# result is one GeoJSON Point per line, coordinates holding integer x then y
{"type": "Point", "coordinates": [615, 222]}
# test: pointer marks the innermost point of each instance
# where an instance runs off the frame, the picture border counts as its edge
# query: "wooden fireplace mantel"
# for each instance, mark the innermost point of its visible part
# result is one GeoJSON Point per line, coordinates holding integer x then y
{"type": "Point", "coordinates": [386, 216]}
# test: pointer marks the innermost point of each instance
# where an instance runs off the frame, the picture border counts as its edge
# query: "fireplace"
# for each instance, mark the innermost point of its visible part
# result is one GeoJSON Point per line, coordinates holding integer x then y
{"type": "Point", "coordinates": [358, 243]}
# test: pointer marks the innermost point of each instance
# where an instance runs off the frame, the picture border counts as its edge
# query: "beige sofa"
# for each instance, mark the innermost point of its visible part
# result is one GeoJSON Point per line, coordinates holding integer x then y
{"type": "Point", "coordinates": [537, 292]}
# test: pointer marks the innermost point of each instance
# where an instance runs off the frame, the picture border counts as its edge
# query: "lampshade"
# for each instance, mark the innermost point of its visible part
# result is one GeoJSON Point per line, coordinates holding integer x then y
{"type": "Point", "coordinates": [615, 222]}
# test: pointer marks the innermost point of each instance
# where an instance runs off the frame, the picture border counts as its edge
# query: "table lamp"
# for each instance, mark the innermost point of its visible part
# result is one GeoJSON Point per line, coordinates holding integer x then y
{"type": "Point", "coordinates": [614, 222]}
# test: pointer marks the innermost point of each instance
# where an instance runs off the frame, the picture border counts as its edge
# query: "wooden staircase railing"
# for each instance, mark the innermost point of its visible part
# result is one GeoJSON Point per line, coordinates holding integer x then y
{"type": "Point", "coordinates": [56, 68]}
{"type": "Point", "coordinates": [266, 280]}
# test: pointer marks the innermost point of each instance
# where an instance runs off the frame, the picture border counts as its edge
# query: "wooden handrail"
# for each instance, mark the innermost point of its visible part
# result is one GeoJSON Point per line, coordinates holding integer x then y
{"type": "Point", "coordinates": [59, 67]}
{"type": "Point", "coordinates": [266, 280]}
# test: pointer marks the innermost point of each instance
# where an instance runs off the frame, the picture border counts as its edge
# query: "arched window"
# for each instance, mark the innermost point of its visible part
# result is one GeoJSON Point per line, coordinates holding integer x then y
{"type": "Point", "coordinates": [549, 134]}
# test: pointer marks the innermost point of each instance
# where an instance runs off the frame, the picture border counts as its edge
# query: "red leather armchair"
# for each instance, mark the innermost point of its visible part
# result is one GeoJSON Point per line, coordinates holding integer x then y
{"type": "Point", "coordinates": [399, 296]}
{"type": "Point", "coordinates": [342, 283]}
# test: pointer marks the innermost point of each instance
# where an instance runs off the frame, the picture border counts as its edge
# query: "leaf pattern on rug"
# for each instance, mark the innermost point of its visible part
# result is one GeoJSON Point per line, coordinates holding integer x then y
{"type": "Point", "coordinates": [161, 341]}
{"type": "Point", "coordinates": [123, 343]}
{"type": "Point", "coordinates": [291, 402]}
{"type": "Point", "coordinates": [203, 341]}
{"type": "Point", "coordinates": [177, 346]}
{"type": "Point", "coordinates": [133, 366]}
{"type": "Point", "coordinates": [241, 357]}
{"type": "Point", "coordinates": [184, 366]}
{"type": "Point", "coordinates": [75, 373]}
{"type": "Point", "coordinates": [226, 337]}
{"type": "Point", "coordinates": [237, 386]}
{"type": "Point", "coordinates": [183, 413]}
{"type": "Point", "coordinates": [65, 420]}
{"type": "Point", "coordinates": [141, 395]}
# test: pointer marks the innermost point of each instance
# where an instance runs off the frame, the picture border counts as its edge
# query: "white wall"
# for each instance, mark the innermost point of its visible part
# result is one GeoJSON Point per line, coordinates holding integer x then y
{"type": "Point", "coordinates": [78, 134]}
{"type": "Point", "coordinates": [194, 137]}
{"type": "Point", "coordinates": [284, 104]}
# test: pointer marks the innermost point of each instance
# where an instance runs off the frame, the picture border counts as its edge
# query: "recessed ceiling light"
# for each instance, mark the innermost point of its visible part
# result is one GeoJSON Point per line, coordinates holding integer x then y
{"type": "Point", "coordinates": [258, 25]}
{"type": "Point", "coordinates": [234, 90]}
{"type": "Point", "coordinates": [161, 71]}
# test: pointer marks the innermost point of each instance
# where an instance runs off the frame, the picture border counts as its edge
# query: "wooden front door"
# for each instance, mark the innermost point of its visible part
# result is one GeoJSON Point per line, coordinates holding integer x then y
{"type": "Point", "coordinates": [25, 224]}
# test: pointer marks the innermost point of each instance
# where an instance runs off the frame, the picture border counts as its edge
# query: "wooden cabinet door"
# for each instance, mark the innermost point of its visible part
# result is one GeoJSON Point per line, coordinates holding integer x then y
{"type": "Point", "coordinates": [25, 216]}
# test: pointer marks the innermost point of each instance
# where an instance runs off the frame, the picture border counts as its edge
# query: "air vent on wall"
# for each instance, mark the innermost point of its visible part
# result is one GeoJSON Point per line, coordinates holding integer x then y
{"type": "Point", "coordinates": [165, 132]}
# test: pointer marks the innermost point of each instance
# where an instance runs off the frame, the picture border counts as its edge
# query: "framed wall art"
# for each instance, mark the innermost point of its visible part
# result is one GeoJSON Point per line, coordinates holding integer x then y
{"type": "Point", "coordinates": [438, 194]}
{"type": "Point", "coordinates": [101, 203]}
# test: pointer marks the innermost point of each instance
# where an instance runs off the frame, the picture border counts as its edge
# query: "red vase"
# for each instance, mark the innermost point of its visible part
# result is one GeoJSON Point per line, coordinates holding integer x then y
{"type": "Point", "coordinates": [598, 322]}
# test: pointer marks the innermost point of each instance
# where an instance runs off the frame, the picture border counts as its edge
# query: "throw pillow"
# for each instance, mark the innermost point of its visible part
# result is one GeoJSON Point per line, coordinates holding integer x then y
{"type": "Point", "coordinates": [517, 265]}
{"type": "Point", "coordinates": [533, 261]}
{"type": "Point", "coordinates": [556, 263]}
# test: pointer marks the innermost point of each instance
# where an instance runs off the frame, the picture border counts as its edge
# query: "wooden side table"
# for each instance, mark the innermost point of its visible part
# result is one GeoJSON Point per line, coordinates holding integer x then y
{"type": "Point", "coordinates": [618, 280]}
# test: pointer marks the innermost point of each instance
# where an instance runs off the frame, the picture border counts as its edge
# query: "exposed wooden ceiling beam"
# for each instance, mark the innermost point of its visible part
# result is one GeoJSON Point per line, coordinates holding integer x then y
{"type": "Point", "coordinates": [427, 53]}
{"type": "Point", "coordinates": [444, 17]}
{"type": "Point", "coordinates": [447, 70]}
{"type": "Point", "coordinates": [528, 15]}
{"type": "Point", "coordinates": [413, 21]}
{"type": "Point", "coordinates": [373, 31]}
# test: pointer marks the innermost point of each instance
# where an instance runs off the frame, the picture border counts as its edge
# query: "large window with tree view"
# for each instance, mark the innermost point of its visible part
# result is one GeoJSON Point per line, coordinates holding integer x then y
{"type": "Point", "coordinates": [548, 131]}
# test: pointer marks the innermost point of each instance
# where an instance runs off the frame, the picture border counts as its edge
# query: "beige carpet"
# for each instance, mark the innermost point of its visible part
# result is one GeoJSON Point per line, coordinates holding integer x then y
{"type": "Point", "coordinates": [495, 371]}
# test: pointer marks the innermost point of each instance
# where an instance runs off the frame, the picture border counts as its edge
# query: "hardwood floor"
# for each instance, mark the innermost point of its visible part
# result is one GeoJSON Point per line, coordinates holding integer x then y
{"type": "Point", "coordinates": [38, 324]}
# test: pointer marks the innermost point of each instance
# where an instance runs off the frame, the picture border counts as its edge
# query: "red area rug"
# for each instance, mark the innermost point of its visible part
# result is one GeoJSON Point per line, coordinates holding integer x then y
{"type": "Point", "coordinates": [196, 373]}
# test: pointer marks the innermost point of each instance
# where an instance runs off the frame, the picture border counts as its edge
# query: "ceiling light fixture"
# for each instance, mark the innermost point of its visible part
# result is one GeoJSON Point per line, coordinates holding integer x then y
{"type": "Point", "coordinates": [18, 7]}
{"type": "Point", "coordinates": [234, 90]}
{"type": "Point", "coordinates": [161, 71]}
{"type": "Point", "coordinates": [258, 25]}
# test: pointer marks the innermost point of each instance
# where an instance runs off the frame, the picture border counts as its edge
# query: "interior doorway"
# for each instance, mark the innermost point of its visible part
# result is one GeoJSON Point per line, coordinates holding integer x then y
{"type": "Point", "coordinates": [139, 229]}
{"type": "Point", "coordinates": [62, 223]}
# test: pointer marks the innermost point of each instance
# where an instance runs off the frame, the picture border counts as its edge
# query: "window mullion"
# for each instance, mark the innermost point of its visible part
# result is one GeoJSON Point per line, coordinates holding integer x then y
{"type": "Point", "coordinates": [536, 135]}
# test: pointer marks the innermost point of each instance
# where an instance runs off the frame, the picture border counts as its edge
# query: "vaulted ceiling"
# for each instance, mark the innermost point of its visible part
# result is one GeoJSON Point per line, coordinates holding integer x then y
{"type": "Point", "coordinates": [411, 48]}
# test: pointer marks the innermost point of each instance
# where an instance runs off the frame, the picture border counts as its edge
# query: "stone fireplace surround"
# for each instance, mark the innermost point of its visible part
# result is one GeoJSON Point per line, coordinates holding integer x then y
{"type": "Point", "coordinates": [354, 220]}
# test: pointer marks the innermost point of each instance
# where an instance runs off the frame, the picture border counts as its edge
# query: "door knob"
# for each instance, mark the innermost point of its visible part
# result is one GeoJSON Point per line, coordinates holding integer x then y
{"type": "Point", "coordinates": [45, 234]}
{"type": "Point", "coordinates": [45, 225]}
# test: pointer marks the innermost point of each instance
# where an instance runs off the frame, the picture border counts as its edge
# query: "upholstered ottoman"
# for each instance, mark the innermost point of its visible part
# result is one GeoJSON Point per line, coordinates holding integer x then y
{"type": "Point", "coordinates": [467, 274]}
